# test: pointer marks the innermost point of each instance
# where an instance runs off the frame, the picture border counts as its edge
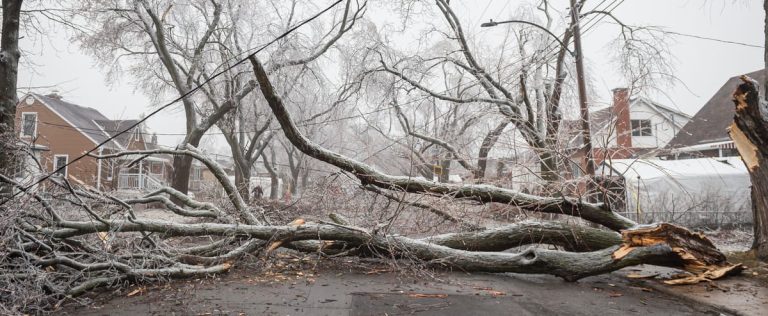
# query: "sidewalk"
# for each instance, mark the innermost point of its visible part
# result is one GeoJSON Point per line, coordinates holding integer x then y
{"type": "Point", "coordinates": [738, 295]}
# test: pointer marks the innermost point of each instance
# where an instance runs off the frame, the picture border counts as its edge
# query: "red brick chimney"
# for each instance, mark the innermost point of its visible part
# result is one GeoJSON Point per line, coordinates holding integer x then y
{"type": "Point", "coordinates": [621, 112]}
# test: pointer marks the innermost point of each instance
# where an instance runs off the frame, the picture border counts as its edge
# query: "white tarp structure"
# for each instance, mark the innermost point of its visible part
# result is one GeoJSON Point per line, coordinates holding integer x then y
{"type": "Point", "coordinates": [694, 192]}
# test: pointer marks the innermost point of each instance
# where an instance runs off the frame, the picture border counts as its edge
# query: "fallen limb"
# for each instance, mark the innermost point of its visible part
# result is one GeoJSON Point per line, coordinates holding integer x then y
{"type": "Point", "coordinates": [232, 193]}
{"type": "Point", "coordinates": [664, 245]}
{"type": "Point", "coordinates": [440, 213]}
{"type": "Point", "coordinates": [595, 212]}
{"type": "Point", "coordinates": [173, 207]}
{"type": "Point", "coordinates": [570, 237]}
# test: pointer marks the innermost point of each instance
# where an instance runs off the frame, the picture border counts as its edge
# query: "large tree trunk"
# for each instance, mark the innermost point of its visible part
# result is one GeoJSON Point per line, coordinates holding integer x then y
{"type": "Point", "coordinates": [9, 70]}
{"type": "Point", "coordinates": [295, 173]}
{"type": "Point", "coordinates": [274, 182]}
{"type": "Point", "coordinates": [548, 165]}
{"type": "Point", "coordinates": [485, 148]}
{"type": "Point", "coordinates": [445, 167]}
{"type": "Point", "coordinates": [749, 132]}
{"type": "Point", "coordinates": [182, 166]}
{"type": "Point", "coordinates": [243, 180]}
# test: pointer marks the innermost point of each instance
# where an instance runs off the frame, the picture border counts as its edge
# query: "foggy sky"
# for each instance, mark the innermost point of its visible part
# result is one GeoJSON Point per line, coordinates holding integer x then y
{"type": "Point", "coordinates": [701, 65]}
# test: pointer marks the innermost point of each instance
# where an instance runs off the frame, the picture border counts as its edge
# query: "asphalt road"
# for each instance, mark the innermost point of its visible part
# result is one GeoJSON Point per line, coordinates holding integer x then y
{"type": "Point", "coordinates": [344, 292]}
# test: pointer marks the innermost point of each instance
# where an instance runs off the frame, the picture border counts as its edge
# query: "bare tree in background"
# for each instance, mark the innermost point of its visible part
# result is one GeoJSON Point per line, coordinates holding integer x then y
{"type": "Point", "coordinates": [179, 38]}
{"type": "Point", "coordinates": [173, 38]}
{"type": "Point", "coordinates": [523, 75]}
{"type": "Point", "coordinates": [518, 89]}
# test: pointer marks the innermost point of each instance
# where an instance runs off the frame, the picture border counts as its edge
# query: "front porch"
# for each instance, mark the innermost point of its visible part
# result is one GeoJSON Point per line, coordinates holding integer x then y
{"type": "Point", "coordinates": [147, 175]}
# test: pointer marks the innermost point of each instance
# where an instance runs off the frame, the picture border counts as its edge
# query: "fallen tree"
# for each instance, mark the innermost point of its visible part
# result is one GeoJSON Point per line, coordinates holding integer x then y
{"type": "Point", "coordinates": [67, 240]}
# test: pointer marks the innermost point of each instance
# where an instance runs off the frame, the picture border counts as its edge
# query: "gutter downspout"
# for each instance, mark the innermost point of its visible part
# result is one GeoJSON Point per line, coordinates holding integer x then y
{"type": "Point", "coordinates": [98, 171]}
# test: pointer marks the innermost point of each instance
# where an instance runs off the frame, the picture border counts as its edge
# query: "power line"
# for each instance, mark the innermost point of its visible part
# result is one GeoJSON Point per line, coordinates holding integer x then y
{"type": "Point", "coordinates": [713, 39]}
{"type": "Point", "coordinates": [191, 91]}
{"type": "Point", "coordinates": [95, 131]}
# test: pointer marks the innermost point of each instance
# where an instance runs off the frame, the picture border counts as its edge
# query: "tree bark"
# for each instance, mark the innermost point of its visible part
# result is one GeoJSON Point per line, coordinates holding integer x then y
{"type": "Point", "coordinates": [485, 148]}
{"type": "Point", "coordinates": [274, 182]}
{"type": "Point", "coordinates": [749, 132]}
{"type": "Point", "coordinates": [548, 165]}
{"type": "Point", "coordinates": [182, 167]}
{"type": "Point", "coordinates": [243, 180]}
{"type": "Point", "coordinates": [9, 70]}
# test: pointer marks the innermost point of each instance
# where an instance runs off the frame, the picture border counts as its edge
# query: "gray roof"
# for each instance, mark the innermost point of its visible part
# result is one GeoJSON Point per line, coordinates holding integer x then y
{"type": "Point", "coordinates": [710, 123]}
{"type": "Point", "coordinates": [83, 118]}
{"type": "Point", "coordinates": [115, 127]}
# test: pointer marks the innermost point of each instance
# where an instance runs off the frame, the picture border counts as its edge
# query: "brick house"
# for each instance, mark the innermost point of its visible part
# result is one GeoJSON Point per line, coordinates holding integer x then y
{"type": "Point", "coordinates": [629, 128]}
{"type": "Point", "coordinates": [68, 130]}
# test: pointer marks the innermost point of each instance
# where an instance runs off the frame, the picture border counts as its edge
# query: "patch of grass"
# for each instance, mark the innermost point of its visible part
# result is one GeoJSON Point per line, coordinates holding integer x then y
{"type": "Point", "coordinates": [756, 269]}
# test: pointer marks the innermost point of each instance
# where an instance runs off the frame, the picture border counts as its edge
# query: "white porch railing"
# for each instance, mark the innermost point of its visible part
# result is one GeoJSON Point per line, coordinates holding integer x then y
{"type": "Point", "coordinates": [139, 181]}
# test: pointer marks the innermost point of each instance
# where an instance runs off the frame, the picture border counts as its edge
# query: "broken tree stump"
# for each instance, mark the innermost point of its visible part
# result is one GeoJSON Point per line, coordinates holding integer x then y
{"type": "Point", "coordinates": [749, 132]}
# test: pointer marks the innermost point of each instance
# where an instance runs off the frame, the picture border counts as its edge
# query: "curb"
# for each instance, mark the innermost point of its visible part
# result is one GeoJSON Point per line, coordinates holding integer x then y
{"type": "Point", "coordinates": [656, 286]}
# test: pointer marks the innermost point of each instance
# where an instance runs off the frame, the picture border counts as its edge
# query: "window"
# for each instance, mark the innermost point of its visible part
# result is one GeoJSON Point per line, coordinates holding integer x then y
{"type": "Point", "coordinates": [60, 161]}
{"type": "Point", "coordinates": [641, 128]}
{"type": "Point", "coordinates": [155, 167]}
{"type": "Point", "coordinates": [575, 169]}
{"type": "Point", "coordinates": [137, 135]}
{"type": "Point", "coordinates": [29, 124]}
{"type": "Point", "coordinates": [197, 173]}
{"type": "Point", "coordinates": [110, 171]}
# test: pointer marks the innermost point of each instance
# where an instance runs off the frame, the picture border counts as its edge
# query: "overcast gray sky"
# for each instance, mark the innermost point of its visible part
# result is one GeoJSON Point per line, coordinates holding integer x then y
{"type": "Point", "coordinates": [702, 65]}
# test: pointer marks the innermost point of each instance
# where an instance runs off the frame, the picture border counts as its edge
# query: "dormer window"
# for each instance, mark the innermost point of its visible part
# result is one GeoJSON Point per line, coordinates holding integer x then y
{"type": "Point", "coordinates": [29, 124]}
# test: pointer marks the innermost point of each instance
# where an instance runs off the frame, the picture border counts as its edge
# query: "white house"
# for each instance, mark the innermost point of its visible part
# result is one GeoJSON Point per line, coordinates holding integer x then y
{"type": "Point", "coordinates": [631, 127]}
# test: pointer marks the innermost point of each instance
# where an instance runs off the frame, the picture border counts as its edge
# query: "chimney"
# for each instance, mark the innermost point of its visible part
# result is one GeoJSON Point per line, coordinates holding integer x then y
{"type": "Point", "coordinates": [54, 95]}
{"type": "Point", "coordinates": [154, 139]}
{"type": "Point", "coordinates": [621, 112]}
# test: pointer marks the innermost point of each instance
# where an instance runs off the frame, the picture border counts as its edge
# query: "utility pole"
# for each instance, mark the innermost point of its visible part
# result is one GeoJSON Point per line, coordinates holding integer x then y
{"type": "Point", "coordinates": [583, 105]}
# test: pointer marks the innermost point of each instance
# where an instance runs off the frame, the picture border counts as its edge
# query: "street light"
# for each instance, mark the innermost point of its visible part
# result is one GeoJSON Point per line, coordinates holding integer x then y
{"type": "Point", "coordinates": [492, 23]}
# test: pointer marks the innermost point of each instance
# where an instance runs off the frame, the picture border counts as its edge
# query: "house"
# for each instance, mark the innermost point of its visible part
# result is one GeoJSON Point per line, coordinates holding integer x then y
{"type": "Point", "coordinates": [705, 135]}
{"type": "Point", "coordinates": [68, 130]}
{"type": "Point", "coordinates": [631, 127]}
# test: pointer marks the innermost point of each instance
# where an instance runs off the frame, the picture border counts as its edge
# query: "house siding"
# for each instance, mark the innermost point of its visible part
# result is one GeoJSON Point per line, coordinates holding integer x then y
{"type": "Point", "coordinates": [62, 139]}
{"type": "Point", "coordinates": [662, 128]}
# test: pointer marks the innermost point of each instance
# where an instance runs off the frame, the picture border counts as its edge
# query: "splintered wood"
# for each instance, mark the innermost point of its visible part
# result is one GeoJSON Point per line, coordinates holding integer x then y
{"type": "Point", "coordinates": [746, 148]}
{"type": "Point", "coordinates": [695, 252]}
{"type": "Point", "coordinates": [276, 244]}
